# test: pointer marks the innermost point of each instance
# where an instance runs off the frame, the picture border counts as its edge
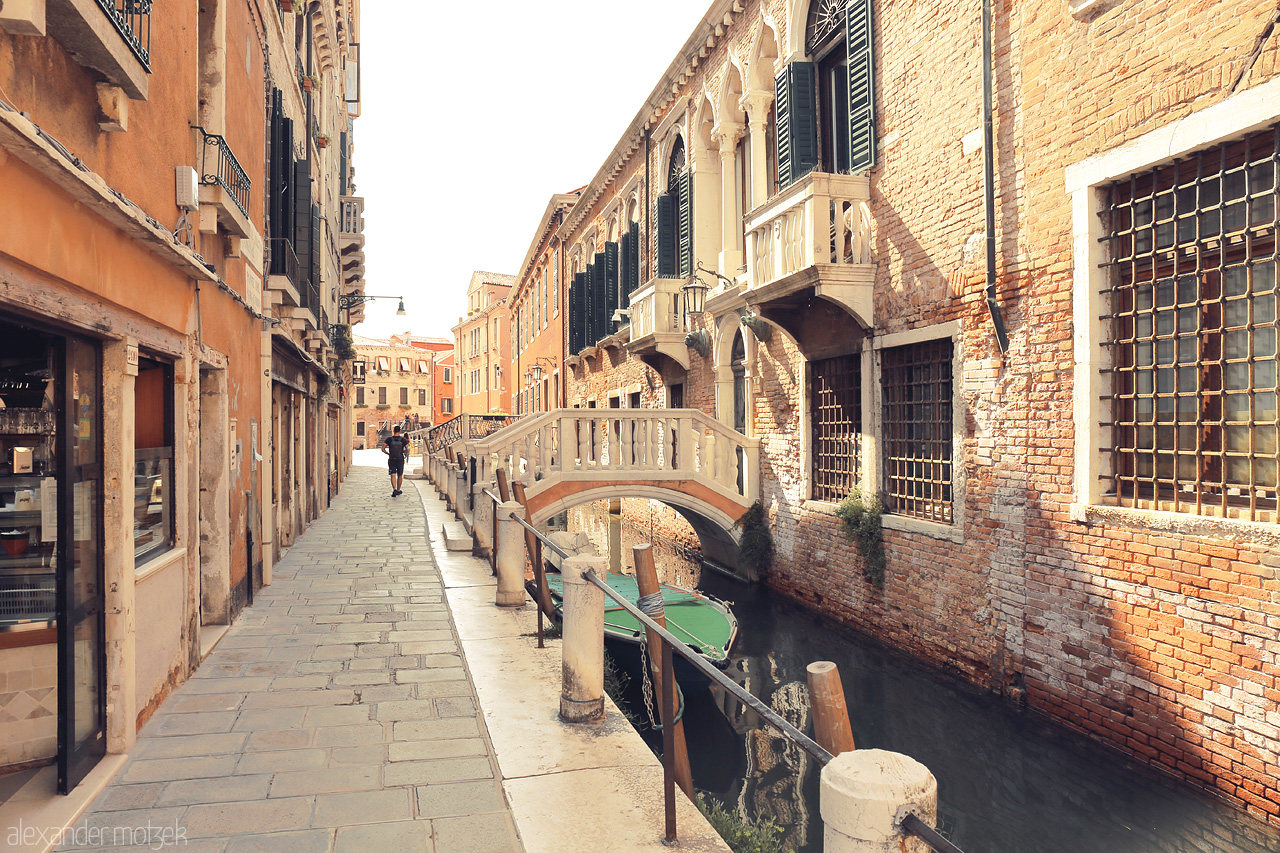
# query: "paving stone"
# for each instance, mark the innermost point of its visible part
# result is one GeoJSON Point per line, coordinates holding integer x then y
{"type": "Point", "coordinates": [413, 709]}
{"type": "Point", "coordinates": [407, 836]}
{"type": "Point", "coordinates": [443, 770]}
{"type": "Point", "coordinates": [374, 754]}
{"type": "Point", "coordinates": [487, 833]}
{"type": "Point", "coordinates": [287, 759]}
{"type": "Point", "coordinates": [282, 739]}
{"type": "Point", "coordinates": [417, 675]}
{"type": "Point", "coordinates": [305, 841]}
{"type": "Point", "coordinates": [223, 790]}
{"type": "Point", "coordinates": [273, 718]}
{"type": "Point", "coordinates": [169, 769]}
{"type": "Point", "coordinates": [362, 778]}
{"type": "Point", "coordinates": [419, 750]}
{"type": "Point", "coordinates": [253, 817]}
{"type": "Point", "coordinates": [370, 732]}
{"type": "Point", "coordinates": [194, 724]}
{"type": "Point", "coordinates": [339, 715]}
{"type": "Point", "coordinates": [444, 689]}
{"type": "Point", "coordinates": [118, 797]}
{"type": "Point", "coordinates": [460, 798]}
{"type": "Point", "coordinates": [366, 807]}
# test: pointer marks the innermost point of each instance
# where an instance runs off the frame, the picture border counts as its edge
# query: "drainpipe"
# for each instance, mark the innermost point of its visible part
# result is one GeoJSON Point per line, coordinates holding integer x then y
{"type": "Point", "coordinates": [648, 233]}
{"type": "Point", "coordinates": [988, 174]}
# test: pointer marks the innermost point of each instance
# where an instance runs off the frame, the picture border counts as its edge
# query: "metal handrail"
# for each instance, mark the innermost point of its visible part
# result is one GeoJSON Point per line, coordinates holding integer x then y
{"type": "Point", "coordinates": [229, 174]}
{"type": "Point", "coordinates": [132, 19]}
{"type": "Point", "coordinates": [912, 825]}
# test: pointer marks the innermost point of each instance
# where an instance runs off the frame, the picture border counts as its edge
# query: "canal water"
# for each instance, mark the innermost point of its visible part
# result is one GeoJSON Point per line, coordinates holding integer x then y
{"type": "Point", "coordinates": [1008, 781]}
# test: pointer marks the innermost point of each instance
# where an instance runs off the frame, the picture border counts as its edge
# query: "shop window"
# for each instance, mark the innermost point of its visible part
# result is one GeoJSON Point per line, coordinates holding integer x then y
{"type": "Point", "coordinates": [835, 413]}
{"type": "Point", "coordinates": [153, 460]}
{"type": "Point", "coordinates": [1192, 318]}
{"type": "Point", "coordinates": [918, 429]}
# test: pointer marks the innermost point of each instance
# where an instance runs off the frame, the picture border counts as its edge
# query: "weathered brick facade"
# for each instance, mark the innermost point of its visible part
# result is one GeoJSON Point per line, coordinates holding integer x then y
{"type": "Point", "coordinates": [1152, 630]}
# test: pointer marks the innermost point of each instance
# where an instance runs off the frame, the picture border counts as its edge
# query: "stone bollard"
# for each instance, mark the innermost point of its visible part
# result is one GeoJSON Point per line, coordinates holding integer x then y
{"type": "Point", "coordinates": [462, 492]}
{"type": "Point", "coordinates": [450, 488]}
{"type": "Point", "coordinates": [582, 691]}
{"type": "Point", "coordinates": [511, 557]}
{"type": "Point", "coordinates": [482, 519]}
{"type": "Point", "coordinates": [433, 467]}
{"type": "Point", "coordinates": [864, 796]}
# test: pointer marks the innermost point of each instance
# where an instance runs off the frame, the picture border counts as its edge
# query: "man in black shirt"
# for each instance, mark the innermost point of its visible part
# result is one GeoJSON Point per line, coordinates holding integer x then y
{"type": "Point", "coordinates": [396, 448]}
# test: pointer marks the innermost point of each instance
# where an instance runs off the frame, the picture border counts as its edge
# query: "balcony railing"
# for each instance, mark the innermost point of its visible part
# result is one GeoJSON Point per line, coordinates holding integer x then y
{"type": "Point", "coordinates": [284, 261]}
{"type": "Point", "coordinates": [821, 219]}
{"type": "Point", "coordinates": [224, 170]}
{"type": "Point", "coordinates": [132, 19]}
{"type": "Point", "coordinates": [655, 309]}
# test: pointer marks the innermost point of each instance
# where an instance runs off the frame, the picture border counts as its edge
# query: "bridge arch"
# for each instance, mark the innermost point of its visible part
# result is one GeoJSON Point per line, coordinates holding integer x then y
{"type": "Point", "coordinates": [712, 522]}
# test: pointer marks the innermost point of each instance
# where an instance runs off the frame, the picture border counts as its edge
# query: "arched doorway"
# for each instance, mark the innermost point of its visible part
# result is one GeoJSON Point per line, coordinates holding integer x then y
{"type": "Point", "coordinates": [738, 364]}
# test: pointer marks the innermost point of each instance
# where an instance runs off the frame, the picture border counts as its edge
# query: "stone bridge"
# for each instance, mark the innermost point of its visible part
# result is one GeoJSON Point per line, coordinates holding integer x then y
{"type": "Point", "coordinates": [682, 457]}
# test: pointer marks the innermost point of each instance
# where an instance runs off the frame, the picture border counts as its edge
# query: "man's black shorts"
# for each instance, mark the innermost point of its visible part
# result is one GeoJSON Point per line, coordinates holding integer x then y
{"type": "Point", "coordinates": [395, 466]}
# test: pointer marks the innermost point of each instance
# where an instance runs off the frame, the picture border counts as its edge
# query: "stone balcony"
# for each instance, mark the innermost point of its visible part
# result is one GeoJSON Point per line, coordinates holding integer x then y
{"type": "Point", "coordinates": [657, 323]}
{"type": "Point", "coordinates": [809, 264]}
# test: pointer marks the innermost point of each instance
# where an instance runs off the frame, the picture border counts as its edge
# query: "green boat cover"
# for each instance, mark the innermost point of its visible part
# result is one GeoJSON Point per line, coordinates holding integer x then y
{"type": "Point", "coordinates": [698, 620]}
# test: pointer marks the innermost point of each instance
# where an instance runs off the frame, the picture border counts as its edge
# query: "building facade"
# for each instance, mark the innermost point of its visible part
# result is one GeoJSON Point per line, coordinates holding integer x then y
{"type": "Point", "coordinates": [1034, 321]}
{"type": "Point", "coordinates": [142, 347]}
{"type": "Point", "coordinates": [482, 347]}
{"type": "Point", "coordinates": [398, 389]}
{"type": "Point", "coordinates": [537, 321]}
{"type": "Point", "coordinates": [442, 364]}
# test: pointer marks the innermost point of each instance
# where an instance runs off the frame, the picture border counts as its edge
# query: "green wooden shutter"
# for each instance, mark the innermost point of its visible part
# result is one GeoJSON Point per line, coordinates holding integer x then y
{"type": "Point", "coordinates": [633, 268]}
{"type": "Point", "coordinates": [665, 228]}
{"type": "Point", "coordinates": [611, 285]}
{"type": "Point", "coordinates": [302, 219]}
{"type": "Point", "coordinates": [797, 118]}
{"type": "Point", "coordinates": [599, 300]}
{"type": "Point", "coordinates": [624, 270]}
{"type": "Point", "coordinates": [316, 261]}
{"type": "Point", "coordinates": [686, 223]}
{"type": "Point", "coordinates": [862, 79]}
{"type": "Point", "coordinates": [577, 313]}
{"type": "Point", "coordinates": [590, 305]}
{"type": "Point", "coordinates": [342, 164]}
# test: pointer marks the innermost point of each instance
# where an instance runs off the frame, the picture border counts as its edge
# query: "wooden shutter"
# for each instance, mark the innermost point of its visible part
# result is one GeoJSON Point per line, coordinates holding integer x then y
{"type": "Point", "coordinates": [862, 102]}
{"type": "Point", "coordinates": [686, 224]}
{"type": "Point", "coordinates": [302, 218]}
{"type": "Point", "coordinates": [599, 300]}
{"type": "Point", "coordinates": [611, 285]}
{"type": "Point", "coordinates": [342, 164]}
{"type": "Point", "coordinates": [317, 240]}
{"type": "Point", "coordinates": [631, 270]}
{"type": "Point", "coordinates": [578, 312]}
{"type": "Point", "coordinates": [665, 227]}
{"type": "Point", "coordinates": [797, 117]}
{"type": "Point", "coordinates": [624, 269]}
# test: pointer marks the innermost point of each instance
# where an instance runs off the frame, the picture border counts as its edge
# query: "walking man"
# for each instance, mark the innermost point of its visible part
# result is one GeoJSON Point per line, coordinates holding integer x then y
{"type": "Point", "coordinates": [396, 449]}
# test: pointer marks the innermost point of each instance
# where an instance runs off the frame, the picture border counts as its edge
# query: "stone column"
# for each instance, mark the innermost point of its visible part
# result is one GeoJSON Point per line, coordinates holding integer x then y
{"type": "Point", "coordinates": [727, 137]}
{"type": "Point", "coordinates": [756, 104]}
{"type": "Point", "coordinates": [582, 692]}
{"type": "Point", "coordinates": [864, 796]}
{"type": "Point", "coordinates": [510, 592]}
{"type": "Point", "coordinates": [118, 377]}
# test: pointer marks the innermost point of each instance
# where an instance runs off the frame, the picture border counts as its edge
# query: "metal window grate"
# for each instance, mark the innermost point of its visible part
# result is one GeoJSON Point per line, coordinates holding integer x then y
{"type": "Point", "coordinates": [1192, 300]}
{"type": "Point", "coordinates": [918, 429]}
{"type": "Point", "coordinates": [835, 399]}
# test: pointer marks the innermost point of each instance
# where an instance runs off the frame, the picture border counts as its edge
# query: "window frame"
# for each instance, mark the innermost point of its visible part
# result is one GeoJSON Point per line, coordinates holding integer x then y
{"type": "Point", "coordinates": [1237, 116]}
{"type": "Point", "coordinates": [163, 453]}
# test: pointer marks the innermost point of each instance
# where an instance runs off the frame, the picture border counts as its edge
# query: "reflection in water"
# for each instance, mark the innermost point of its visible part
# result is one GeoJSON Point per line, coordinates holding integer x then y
{"type": "Point", "coordinates": [1008, 782]}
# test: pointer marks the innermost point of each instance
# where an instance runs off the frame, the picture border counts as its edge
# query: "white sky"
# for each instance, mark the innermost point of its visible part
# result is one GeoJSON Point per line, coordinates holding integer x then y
{"type": "Point", "coordinates": [473, 115]}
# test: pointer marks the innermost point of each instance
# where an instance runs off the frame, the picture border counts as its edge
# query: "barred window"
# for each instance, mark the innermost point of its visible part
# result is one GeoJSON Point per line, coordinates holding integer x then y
{"type": "Point", "coordinates": [917, 424]}
{"type": "Point", "coordinates": [1192, 301]}
{"type": "Point", "coordinates": [835, 412]}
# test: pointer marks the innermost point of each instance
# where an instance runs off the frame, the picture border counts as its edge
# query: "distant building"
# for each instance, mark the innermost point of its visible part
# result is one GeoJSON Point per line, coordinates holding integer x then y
{"type": "Point", "coordinates": [398, 389]}
{"type": "Point", "coordinates": [443, 366]}
{"type": "Point", "coordinates": [482, 346]}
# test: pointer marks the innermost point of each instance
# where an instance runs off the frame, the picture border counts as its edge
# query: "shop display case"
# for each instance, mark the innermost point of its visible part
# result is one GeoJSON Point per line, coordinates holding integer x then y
{"type": "Point", "coordinates": [28, 499]}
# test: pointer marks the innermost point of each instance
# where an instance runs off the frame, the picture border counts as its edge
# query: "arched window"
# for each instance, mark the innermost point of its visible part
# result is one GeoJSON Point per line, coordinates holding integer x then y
{"type": "Point", "coordinates": [674, 231]}
{"type": "Point", "coordinates": [825, 25]}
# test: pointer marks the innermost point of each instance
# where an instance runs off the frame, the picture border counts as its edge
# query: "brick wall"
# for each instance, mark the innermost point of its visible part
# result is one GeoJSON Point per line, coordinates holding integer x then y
{"type": "Point", "coordinates": [1156, 634]}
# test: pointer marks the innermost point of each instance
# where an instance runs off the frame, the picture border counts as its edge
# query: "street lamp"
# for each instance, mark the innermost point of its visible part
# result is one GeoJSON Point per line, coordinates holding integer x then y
{"type": "Point", "coordinates": [695, 296]}
{"type": "Point", "coordinates": [352, 300]}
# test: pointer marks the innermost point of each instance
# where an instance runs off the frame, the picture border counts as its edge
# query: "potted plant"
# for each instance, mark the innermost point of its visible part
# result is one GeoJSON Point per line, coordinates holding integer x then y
{"type": "Point", "coordinates": [286, 5]}
{"type": "Point", "coordinates": [322, 141]}
{"type": "Point", "coordinates": [308, 82]}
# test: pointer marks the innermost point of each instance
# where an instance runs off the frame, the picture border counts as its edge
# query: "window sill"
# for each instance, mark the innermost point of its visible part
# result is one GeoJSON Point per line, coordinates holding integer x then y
{"type": "Point", "coordinates": [1244, 532]}
{"type": "Point", "coordinates": [156, 565]}
{"type": "Point", "coordinates": [935, 529]}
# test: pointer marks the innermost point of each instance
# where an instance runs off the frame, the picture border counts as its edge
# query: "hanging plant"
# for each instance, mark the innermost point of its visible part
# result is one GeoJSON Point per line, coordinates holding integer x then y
{"type": "Point", "coordinates": [862, 525]}
{"type": "Point", "coordinates": [342, 344]}
{"type": "Point", "coordinates": [756, 548]}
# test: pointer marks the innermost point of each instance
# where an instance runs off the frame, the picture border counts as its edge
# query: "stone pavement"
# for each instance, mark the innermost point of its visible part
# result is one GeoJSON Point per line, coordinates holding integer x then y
{"type": "Point", "coordinates": [336, 714]}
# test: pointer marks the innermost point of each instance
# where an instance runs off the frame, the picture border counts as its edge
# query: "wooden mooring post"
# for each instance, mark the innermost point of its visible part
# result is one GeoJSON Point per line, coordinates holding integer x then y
{"type": "Point", "coordinates": [831, 727]}
{"type": "Point", "coordinates": [674, 747]}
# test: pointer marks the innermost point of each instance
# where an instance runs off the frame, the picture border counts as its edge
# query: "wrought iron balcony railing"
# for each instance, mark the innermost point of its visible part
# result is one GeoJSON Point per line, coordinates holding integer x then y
{"type": "Point", "coordinates": [225, 170]}
{"type": "Point", "coordinates": [284, 260]}
{"type": "Point", "coordinates": [132, 19]}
